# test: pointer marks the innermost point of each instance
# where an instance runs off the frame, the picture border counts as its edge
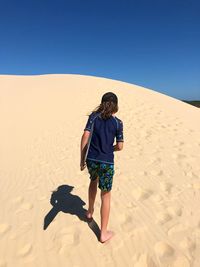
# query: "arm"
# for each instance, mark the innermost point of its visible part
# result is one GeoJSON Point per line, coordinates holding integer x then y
{"type": "Point", "coordinates": [119, 137]}
{"type": "Point", "coordinates": [118, 146]}
{"type": "Point", "coordinates": [83, 146]}
{"type": "Point", "coordinates": [84, 141]}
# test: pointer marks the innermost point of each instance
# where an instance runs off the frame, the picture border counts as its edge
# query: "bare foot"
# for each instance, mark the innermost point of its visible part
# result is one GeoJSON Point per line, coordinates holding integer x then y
{"type": "Point", "coordinates": [107, 236]}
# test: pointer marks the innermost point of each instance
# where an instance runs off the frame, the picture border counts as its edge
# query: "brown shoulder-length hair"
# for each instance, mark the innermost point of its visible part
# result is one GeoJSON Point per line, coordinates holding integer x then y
{"type": "Point", "coordinates": [106, 109]}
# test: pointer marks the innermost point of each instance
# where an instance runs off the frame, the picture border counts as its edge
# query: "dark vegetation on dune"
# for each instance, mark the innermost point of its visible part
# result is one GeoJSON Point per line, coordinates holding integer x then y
{"type": "Point", "coordinates": [195, 103]}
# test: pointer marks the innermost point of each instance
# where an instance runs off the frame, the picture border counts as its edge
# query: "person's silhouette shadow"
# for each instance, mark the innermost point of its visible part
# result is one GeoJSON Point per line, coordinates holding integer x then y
{"type": "Point", "coordinates": [63, 200]}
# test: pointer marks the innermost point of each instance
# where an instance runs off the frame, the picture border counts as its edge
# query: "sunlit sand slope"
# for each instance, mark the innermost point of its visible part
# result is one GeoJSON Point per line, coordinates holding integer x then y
{"type": "Point", "coordinates": [156, 189]}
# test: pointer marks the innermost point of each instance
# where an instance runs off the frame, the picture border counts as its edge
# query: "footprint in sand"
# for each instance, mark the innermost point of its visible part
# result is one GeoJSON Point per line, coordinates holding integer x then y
{"type": "Point", "coordinates": [142, 173]}
{"type": "Point", "coordinates": [70, 239]}
{"type": "Point", "coordinates": [144, 260]}
{"type": "Point", "coordinates": [178, 156]}
{"type": "Point", "coordinates": [188, 243]}
{"type": "Point", "coordinates": [166, 187]}
{"type": "Point", "coordinates": [178, 143]}
{"type": "Point", "coordinates": [159, 112]}
{"type": "Point", "coordinates": [66, 242]}
{"type": "Point", "coordinates": [189, 130]}
{"type": "Point", "coordinates": [18, 200]}
{"type": "Point", "coordinates": [119, 243]}
{"type": "Point", "coordinates": [128, 224]}
{"type": "Point", "coordinates": [131, 205]}
{"type": "Point", "coordinates": [163, 126]}
{"type": "Point", "coordinates": [181, 262]}
{"type": "Point", "coordinates": [23, 229]}
{"type": "Point", "coordinates": [25, 250]}
{"type": "Point", "coordinates": [24, 207]}
{"type": "Point", "coordinates": [139, 233]}
{"type": "Point", "coordinates": [163, 250]}
{"type": "Point", "coordinates": [163, 217]}
{"type": "Point", "coordinates": [3, 263]}
{"type": "Point", "coordinates": [25, 226]}
{"type": "Point", "coordinates": [196, 185]}
{"type": "Point", "coordinates": [154, 160]}
{"type": "Point", "coordinates": [191, 174]}
{"type": "Point", "coordinates": [141, 194]}
{"type": "Point", "coordinates": [175, 129]}
{"type": "Point", "coordinates": [177, 229]}
{"type": "Point", "coordinates": [157, 198]}
{"type": "Point", "coordinates": [66, 238]}
{"type": "Point", "coordinates": [4, 228]}
{"type": "Point", "coordinates": [175, 210]}
{"type": "Point", "coordinates": [156, 172]}
{"type": "Point", "coordinates": [183, 236]}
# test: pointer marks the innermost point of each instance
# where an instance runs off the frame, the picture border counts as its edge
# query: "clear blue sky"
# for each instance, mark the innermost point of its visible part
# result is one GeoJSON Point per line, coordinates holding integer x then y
{"type": "Point", "coordinates": [155, 44]}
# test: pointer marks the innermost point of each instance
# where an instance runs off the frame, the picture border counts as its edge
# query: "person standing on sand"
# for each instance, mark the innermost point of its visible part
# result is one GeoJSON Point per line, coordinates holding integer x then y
{"type": "Point", "coordinates": [100, 157]}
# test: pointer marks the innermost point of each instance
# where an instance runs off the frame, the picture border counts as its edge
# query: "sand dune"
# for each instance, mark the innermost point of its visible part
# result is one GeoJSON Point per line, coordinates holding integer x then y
{"type": "Point", "coordinates": [156, 190]}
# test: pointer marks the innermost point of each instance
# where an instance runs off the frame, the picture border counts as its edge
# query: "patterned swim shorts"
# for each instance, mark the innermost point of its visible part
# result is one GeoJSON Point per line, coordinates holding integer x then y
{"type": "Point", "coordinates": [104, 171]}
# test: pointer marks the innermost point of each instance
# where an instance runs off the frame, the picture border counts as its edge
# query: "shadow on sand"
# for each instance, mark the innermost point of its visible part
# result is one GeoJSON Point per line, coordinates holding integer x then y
{"type": "Point", "coordinates": [63, 200]}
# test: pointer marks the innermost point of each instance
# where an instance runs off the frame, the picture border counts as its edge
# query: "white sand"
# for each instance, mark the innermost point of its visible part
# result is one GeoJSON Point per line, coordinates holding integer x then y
{"type": "Point", "coordinates": [156, 191]}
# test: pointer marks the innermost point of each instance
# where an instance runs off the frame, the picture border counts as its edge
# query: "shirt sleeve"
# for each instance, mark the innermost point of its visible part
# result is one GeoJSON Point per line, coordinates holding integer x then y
{"type": "Point", "coordinates": [89, 124]}
{"type": "Point", "coordinates": [120, 134]}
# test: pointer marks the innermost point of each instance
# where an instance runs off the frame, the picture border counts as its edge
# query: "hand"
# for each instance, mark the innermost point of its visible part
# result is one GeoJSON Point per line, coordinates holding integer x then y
{"type": "Point", "coordinates": [82, 166]}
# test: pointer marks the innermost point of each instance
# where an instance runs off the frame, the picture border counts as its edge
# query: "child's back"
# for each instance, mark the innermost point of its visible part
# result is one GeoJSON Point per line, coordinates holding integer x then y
{"type": "Point", "coordinates": [104, 133]}
{"type": "Point", "coordinates": [104, 127]}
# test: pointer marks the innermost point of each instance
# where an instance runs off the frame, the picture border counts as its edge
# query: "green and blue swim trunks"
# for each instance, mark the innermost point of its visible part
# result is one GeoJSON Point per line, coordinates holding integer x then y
{"type": "Point", "coordinates": [104, 171]}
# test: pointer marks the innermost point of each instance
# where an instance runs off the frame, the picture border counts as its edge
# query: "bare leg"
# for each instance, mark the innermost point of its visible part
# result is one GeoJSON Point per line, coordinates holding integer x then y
{"type": "Point", "coordinates": [92, 191]}
{"type": "Point", "coordinates": [105, 211]}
